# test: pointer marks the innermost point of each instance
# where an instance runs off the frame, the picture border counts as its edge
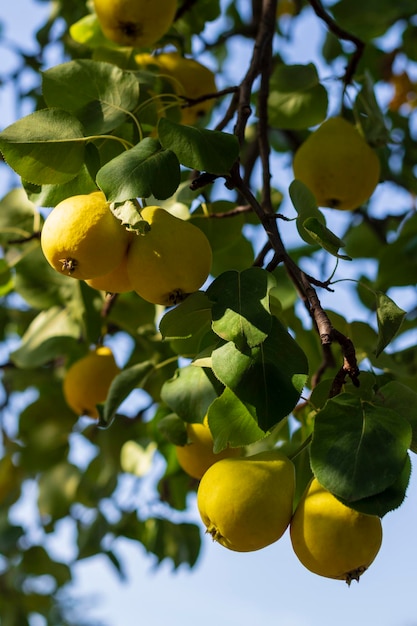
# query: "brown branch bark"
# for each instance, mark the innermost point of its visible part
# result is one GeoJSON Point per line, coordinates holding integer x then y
{"type": "Point", "coordinates": [341, 33]}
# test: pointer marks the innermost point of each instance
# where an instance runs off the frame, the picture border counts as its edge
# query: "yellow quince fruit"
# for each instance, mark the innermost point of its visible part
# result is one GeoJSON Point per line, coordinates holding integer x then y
{"type": "Point", "coordinates": [197, 455]}
{"type": "Point", "coordinates": [81, 237]}
{"type": "Point", "coordinates": [189, 79]}
{"type": "Point", "coordinates": [246, 503]}
{"type": "Point", "coordinates": [170, 261]}
{"type": "Point", "coordinates": [331, 539]}
{"type": "Point", "coordinates": [135, 23]}
{"type": "Point", "coordinates": [116, 281]}
{"type": "Point", "coordinates": [337, 165]}
{"type": "Point", "coordinates": [87, 381]}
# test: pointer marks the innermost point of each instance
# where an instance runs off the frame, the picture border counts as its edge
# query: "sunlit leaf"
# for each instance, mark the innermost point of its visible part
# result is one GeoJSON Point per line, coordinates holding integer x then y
{"type": "Point", "coordinates": [231, 423]}
{"type": "Point", "coordinates": [98, 94]}
{"type": "Point", "coordinates": [136, 459]}
{"type": "Point", "coordinates": [144, 170]}
{"type": "Point", "coordinates": [190, 392]}
{"type": "Point", "coordinates": [240, 306]}
{"type": "Point", "coordinates": [45, 147]}
{"type": "Point", "coordinates": [198, 148]}
{"type": "Point", "coordinates": [268, 379]}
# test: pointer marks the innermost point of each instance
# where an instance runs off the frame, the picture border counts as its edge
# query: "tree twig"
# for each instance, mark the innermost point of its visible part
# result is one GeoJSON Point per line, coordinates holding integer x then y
{"type": "Point", "coordinates": [341, 33]}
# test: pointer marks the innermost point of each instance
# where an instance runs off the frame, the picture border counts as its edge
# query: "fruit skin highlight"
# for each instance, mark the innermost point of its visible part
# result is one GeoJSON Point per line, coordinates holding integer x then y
{"type": "Point", "coordinates": [81, 237]}
{"type": "Point", "coordinates": [170, 261]}
{"type": "Point", "coordinates": [135, 23]}
{"type": "Point", "coordinates": [337, 165]}
{"type": "Point", "coordinates": [190, 79]}
{"type": "Point", "coordinates": [331, 539]}
{"type": "Point", "coordinates": [87, 381]}
{"type": "Point", "coordinates": [246, 503]}
{"type": "Point", "coordinates": [197, 455]}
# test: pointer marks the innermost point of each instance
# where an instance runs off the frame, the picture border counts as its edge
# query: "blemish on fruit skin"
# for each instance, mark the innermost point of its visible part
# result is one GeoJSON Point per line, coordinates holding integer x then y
{"type": "Point", "coordinates": [177, 296]}
{"type": "Point", "coordinates": [131, 29]}
{"type": "Point", "coordinates": [355, 575]}
{"type": "Point", "coordinates": [68, 265]}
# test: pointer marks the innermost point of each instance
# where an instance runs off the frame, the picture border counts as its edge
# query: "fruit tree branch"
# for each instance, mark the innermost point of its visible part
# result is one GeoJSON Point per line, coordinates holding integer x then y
{"type": "Point", "coordinates": [261, 56]}
{"type": "Point", "coordinates": [341, 33]}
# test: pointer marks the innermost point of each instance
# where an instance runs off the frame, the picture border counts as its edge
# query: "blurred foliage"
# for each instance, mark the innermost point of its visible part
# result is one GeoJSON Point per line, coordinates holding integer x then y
{"type": "Point", "coordinates": [209, 353]}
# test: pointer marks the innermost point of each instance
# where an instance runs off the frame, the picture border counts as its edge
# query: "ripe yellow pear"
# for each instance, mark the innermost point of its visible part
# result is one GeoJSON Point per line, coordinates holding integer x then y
{"type": "Point", "coordinates": [197, 455]}
{"type": "Point", "coordinates": [337, 165]}
{"type": "Point", "coordinates": [190, 79]}
{"type": "Point", "coordinates": [135, 23]}
{"type": "Point", "coordinates": [87, 381]}
{"type": "Point", "coordinates": [116, 281]}
{"type": "Point", "coordinates": [170, 261]}
{"type": "Point", "coordinates": [81, 237]}
{"type": "Point", "coordinates": [331, 539]}
{"type": "Point", "coordinates": [246, 503]}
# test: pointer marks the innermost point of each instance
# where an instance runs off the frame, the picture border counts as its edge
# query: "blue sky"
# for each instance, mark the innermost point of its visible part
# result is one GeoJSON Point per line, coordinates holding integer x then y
{"type": "Point", "coordinates": [265, 587]}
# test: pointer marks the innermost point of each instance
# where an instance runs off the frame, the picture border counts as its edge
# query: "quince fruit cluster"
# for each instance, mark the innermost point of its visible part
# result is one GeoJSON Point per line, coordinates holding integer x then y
{"type": "Point", "coordinates": [247, 503]}
{"type": "Point", "coordinates": [81, 238]}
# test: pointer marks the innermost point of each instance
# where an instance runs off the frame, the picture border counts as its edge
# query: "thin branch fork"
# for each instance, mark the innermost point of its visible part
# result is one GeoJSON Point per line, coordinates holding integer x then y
{"type": "Point", "coordinates": [341, 33]}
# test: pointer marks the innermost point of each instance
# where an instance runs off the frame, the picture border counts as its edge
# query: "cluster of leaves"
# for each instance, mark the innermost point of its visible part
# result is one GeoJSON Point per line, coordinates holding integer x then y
{"type": "Point", "coordinates": [321, 386]}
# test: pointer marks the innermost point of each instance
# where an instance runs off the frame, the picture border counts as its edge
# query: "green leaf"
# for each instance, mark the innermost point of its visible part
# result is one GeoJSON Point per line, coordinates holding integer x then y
{"type": "Point", "coordinates": [198, 148]}
{"type": "Point", "coordinates": [57, 490]}
{"type": "Point", "coordinates": [372, 19]}
{"type": "Point", "coordinates": [46, 147]}
{"type": "Point", "coordinates": [389, 317]}
{"type": "Point", "coordinates": [37, 562]}
{"type": "Point", "coordinates": [129, 215]}
{"type": "Point", "coordinates": [87, 32]}
{"type": "Point", "coordinates": [231, 423]}
{"type": "Point", "coordinates": [46, 338]}
{"type": "Point", "coordinates": [173, 429]}
{"type": "Point", "coordinates": [240, 306]}
{"type": "Point", "coordinates": [51, 195]}
{"type": "Point", "coordinates": [297, 99]}
{"type": "Point", "coordinates": [369, 114]}
{"type": "Point", "coordinates": [403, 400]}
{"type": "Point", "coordinates": [185, 325]}
{"type": "Point", "coordinates": [391, 498]}
{"type": "Point", "coordinates": [99, 94]}
{"type": "Point", "coordinates": [17, 216]}
{"type": "Point", "coordinates": [306, 206]}
{"type": "Point", "coordinates": [144, 170]}
{"type": "Point", "coordinates": [358, 448]}
{"type": "Point", "coordinates": [38, 283]}
{"type": "Point", "coordinates": [324, 237]}
{"type": "Point", "coordinates": [179, 542]}
{"type": "Point", "coordinates": [268, 379]}
{"type": "Point", "coordinates": [190, 392]}
{"type": "Point", "coordinates": [122, 385]}
{"type": "Point", "coordinates": [136, 459]}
